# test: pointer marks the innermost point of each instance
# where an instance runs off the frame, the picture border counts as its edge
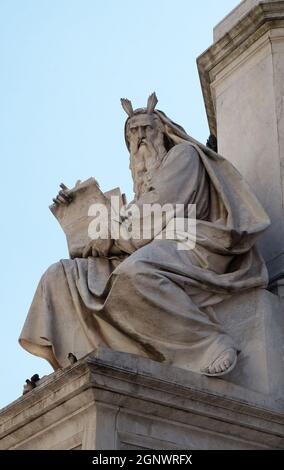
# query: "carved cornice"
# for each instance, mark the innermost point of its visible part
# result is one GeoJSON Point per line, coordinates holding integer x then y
{"type": "Point", "coordinates": [121, 380]}
{"type": "Point", "coordinates": [261, 19]}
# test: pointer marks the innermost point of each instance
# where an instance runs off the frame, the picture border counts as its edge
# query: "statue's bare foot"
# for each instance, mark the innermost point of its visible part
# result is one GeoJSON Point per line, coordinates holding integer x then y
{"type": "Point", "coordinates": [222, 365]}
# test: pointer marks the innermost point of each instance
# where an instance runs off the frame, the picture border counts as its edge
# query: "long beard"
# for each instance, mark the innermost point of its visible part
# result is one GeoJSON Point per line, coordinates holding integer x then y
{"type": "Point", "coordinates": [144, 161]}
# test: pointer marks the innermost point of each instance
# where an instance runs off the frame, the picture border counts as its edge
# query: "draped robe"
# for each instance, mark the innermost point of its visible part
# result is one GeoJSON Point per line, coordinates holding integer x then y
{"type": "Point", "coordinates": [153, 299]}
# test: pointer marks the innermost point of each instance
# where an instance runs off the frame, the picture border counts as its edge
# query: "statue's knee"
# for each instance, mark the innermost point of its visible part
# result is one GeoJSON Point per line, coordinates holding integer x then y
{"type": "Point", "coordinates": [54, 270]}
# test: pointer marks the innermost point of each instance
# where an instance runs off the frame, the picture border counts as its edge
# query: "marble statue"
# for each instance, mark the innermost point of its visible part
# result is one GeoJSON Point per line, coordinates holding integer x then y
{"type": "Point", "coordinates": [146, 296]}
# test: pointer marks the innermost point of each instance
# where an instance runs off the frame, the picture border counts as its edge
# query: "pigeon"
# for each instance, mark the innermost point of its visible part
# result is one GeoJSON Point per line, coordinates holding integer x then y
{"type": "Point", "coordinates": [28, 386]}
{"type": "Point", "coordinates": [72, 359]}
{"type": "Point", "coordinates": [212, 143]}
{"type": "Point", "coordinates": [35, 378]}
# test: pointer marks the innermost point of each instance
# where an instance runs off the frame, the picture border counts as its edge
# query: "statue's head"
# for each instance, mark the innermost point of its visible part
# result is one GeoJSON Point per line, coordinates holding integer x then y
{"type": "Point", "coordinates": [145, 139]}
{"type": "Point", "coordinates": [143, 127]}
{"type": "Point", "coordinates": [149, 135]}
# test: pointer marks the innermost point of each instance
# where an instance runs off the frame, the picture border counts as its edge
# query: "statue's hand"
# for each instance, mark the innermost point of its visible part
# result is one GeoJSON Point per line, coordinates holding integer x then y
{"type": "Point", "coordinates": [97, 248]}
{"type": "Point", "coordinates": [63, 197]}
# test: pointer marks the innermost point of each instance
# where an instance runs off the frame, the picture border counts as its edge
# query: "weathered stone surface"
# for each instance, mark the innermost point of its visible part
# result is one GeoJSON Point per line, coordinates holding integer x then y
{"type": "Point", "coordinates": [242, 79]}
{"type": "Point", "coordinates": [120, 401]}
{"type": "Point", "coordinates": [256, 322]}
{"type": "Point", "coordinates": [234, 17]}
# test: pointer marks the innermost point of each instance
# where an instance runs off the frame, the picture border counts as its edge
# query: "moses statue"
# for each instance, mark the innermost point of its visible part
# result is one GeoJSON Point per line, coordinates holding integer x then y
{"type": "Point", "coordinates": [151, 297]}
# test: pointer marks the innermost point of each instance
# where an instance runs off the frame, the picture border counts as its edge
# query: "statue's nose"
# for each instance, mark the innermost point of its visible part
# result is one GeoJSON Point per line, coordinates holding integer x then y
{"type": "Point", "coordinates": [141, 132]}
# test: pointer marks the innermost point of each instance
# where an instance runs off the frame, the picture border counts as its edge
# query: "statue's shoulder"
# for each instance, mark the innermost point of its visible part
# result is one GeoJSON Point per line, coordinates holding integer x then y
{"type": "Point", "coordinates": [183, 150]}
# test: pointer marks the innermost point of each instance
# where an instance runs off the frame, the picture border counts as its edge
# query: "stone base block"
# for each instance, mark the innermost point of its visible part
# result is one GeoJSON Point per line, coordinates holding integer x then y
{"type": "Point", "coordinates": [116, 400]}
{"type": "Point", "coordinates": [255, 319]}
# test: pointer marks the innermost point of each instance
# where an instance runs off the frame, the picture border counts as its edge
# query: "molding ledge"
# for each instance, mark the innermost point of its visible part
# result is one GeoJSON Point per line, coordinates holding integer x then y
{"type": "Point", "coordinates": [260, 20]}
{"type": "Point", "coordinates": [125, 385]}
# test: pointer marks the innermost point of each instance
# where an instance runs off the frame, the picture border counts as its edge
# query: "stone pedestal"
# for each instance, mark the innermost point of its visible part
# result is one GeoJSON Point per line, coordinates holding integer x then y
{"type": "Point", "coordinates": [120, 401]}
{"type": "Point", "coordinates": [242, 76]}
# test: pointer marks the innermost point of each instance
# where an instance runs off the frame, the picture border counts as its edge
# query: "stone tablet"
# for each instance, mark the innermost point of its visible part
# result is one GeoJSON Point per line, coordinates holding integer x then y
{"type": "Point", "coordinates": [75, 218]}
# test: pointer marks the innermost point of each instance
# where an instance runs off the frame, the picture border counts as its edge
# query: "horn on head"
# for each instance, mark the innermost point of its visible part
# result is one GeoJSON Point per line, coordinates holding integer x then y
{"type": "Point", "coordinates": [127, 106]}
{"type": "Point", "coordinates": [151, 104]}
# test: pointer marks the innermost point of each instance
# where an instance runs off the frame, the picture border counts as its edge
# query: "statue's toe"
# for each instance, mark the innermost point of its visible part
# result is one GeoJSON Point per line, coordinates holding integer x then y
{"type": "Point", "coordinates": [222, 365]}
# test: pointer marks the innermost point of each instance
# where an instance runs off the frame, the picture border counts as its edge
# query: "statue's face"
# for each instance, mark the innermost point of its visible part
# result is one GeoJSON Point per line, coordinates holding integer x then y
{"type": "Point", "coordinates": [143, 130]}
{"type": "Point", "coordinates": [146, 142]}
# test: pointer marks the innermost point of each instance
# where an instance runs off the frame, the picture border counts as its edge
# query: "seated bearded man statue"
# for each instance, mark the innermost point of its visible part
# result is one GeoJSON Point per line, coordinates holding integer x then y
{"type": "Point", "coordinates": [152, 297]}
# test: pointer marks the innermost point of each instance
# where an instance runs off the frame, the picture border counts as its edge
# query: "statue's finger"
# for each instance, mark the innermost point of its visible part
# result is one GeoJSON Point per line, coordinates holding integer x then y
{"type": "Point", "coordinates": [61, 199]}
{"type": "Point", "coordinates": [95, 252]}
{"type": "Point", "coordinates": [87, 250]}
{"type": "Point", "coordinates": [65, 195]}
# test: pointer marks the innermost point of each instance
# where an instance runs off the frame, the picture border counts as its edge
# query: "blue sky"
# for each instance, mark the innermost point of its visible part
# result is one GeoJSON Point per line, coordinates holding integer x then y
{"type": "Point", "coordinates": [64, 65]}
